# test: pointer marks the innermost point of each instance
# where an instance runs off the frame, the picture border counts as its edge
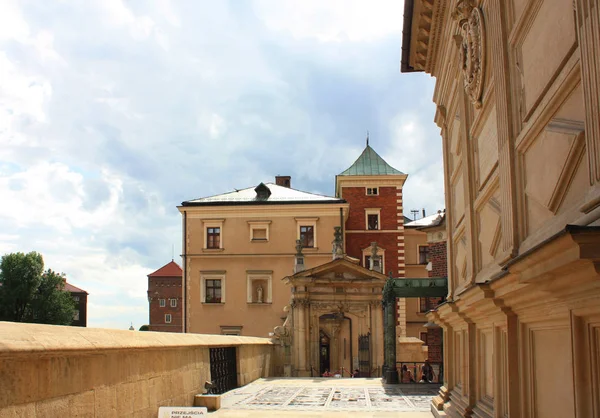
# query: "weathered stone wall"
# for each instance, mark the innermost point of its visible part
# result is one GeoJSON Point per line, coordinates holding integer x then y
{"type": "Point", "coordinates": [54, 371]}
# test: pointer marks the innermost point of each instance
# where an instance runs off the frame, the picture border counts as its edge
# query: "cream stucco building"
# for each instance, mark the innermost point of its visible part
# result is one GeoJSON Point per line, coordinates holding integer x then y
{"type": "Point", "coordinates": [518, 103]}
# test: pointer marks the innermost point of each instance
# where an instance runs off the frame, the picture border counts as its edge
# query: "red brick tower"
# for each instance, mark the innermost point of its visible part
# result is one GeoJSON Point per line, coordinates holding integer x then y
{"type": "Point", "coordinates": [374, 191]}
{"type": "Point", "coordinates": [165, 298]}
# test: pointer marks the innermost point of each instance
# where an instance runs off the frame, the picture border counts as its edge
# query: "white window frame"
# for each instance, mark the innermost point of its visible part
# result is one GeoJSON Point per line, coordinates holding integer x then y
{"type": "Point", "coordinates": [213, 223]}
{"type": "Point", "coordinates": [173, 302]}
{"type": "Point", "coordinates": [162, 303]}
{"type": "Point", "coordinates": [76, 315]}
{"type": "Point", "coordinates": [211, 276]}
{"type": "Point", "coordinates": [254, 225]}
{"type": "Point", "coordinates": [312, 221]}
{"type": "Point", "coordinates": [231, 330]}
{"type": "Point", "coordinates": [255, 276]}
{"type": "Point", "coordinates": [76, 298]}
{"type": "Point", "coordinates": [369, 191]}
{"type": "Point", "coordinates": [168, 318]}
{"type": "Point", "coordinates": [373, 211]}
{"type": "Point", "coordinates": [366, 252]}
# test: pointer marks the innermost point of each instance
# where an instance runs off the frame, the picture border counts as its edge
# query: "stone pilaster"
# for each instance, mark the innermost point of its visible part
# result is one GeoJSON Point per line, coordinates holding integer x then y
{"type": "Point", "coordinates": [506, 150]}
{"type": "Point", "coordinates": [588, 30]}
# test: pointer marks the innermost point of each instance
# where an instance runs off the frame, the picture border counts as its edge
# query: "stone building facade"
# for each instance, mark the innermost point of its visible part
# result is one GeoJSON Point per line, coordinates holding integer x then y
{"type": "Point", "coordinates": [518, 98]}
{"type": "Point", "coordinates": [165, 298]}
{"type": "Point", "coordinates": [80, 298]}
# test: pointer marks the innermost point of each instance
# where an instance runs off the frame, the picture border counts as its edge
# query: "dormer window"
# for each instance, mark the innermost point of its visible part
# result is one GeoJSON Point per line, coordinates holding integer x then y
{"type": "Point", "coordinates": [372, 191]}
{"type": "Point", "coordinates": [262, 192]}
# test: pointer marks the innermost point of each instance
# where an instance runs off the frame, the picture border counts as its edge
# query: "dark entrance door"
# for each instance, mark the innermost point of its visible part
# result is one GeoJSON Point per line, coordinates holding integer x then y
{"type": "Point", "coordinates": [324, 351]}
{"type": "Point", "coordinates": [364, 355]}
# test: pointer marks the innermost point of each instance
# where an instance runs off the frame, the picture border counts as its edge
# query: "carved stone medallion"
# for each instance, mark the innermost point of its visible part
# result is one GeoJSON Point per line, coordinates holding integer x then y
{"type": "Point", "coordinates": [472, 48]}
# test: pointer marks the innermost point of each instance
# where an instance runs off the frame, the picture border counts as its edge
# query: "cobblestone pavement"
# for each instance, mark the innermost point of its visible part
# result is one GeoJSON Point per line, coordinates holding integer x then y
{"type": "Point", "coordinates": [308, 396]}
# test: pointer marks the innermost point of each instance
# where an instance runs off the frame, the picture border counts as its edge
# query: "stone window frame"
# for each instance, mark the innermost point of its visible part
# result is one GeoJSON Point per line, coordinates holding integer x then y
{"type": "Point", "coordinates": [212, 275]}
{"type": "Point", "coordinates": [374, 191]}
{"type": "Point", "coordinates": [173, 302]}
{"type": "Point", "coordinates": [231, 330]}
{"type": "Point", "coordinates": [162, 303]}
{"type": "Point", "coordinates": [168, 318]}
{"type": "Point", "coordinates": [308, 221]}
{"type": "Point", "coordinates": [76, 315]}
{"type": "Point", "coordinates": [252, 275]}
{"type": "Point", "coordinates": [373, 211]}
{"type": "Point", "coordinates": [213, 223]}
{"type": "Point", "coordinates": [366, 252]}
{"type": "Point", "coordinates": [254, 225]}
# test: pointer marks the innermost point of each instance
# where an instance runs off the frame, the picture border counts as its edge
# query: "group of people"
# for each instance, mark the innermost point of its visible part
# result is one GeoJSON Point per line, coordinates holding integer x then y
{"type": "Point", "coordinates": [427, 374]}
{"type": "Point", "coordinates": [327, 373]}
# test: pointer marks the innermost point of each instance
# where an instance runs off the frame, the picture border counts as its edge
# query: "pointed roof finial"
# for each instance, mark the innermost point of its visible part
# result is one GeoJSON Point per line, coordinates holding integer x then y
{"type": "Point", "coordinates": [367, 137]}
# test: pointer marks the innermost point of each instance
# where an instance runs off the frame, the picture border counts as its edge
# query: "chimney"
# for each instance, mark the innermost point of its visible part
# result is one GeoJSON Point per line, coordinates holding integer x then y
{"type": "Point", "coordinates": [423, 212]}
{"type": "Point", "coordinates": [285, 181]}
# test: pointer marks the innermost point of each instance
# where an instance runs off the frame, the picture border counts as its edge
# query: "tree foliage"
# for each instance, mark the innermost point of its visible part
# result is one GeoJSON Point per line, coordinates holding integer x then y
{"type": "Point", "coordinates": [144, 328]}
{"type": "Point", "coordinates": [30, 294]}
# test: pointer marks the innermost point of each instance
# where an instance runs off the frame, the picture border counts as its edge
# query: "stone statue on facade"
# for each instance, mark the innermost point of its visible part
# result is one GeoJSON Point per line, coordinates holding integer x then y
{"type": "Point", "coordinates": [337, 243]}
{"type": "Point", "coordinates": [259, 294]}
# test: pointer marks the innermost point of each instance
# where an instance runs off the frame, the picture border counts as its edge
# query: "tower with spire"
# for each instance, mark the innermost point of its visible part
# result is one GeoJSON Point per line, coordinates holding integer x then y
{"type": "Point", "coordinates": [373, 188]}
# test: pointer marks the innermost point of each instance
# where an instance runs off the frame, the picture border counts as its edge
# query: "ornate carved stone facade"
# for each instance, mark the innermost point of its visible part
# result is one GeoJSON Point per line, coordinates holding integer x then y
{"type": "Point", "coordinates": [520, 143]}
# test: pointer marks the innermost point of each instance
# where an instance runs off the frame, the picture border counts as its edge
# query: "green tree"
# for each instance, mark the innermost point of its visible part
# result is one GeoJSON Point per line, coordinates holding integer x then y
{"type": "Point", "coordinates": [30, 294]}
{"type": "Point", "coordinates": [144, 328]}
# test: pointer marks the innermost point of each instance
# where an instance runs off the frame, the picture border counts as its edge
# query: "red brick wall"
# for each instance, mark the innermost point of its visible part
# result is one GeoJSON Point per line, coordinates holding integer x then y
{"type": "Point", "coordinates": [167, 288]}
{"type": "Point", "coordinates": [387, 201]}
{"type": "Point", "coordinates": [437, 256]}
{"type": "Point", "coordinates": [434, 344]}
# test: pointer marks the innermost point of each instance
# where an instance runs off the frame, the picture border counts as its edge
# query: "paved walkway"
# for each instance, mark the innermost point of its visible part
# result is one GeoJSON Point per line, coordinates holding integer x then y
{"type": "Point", "coordinates": [323, 397]}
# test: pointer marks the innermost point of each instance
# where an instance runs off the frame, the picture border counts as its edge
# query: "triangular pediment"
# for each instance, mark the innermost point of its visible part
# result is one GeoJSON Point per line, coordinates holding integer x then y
{"type": "Point", "coordinates": [344, 269]}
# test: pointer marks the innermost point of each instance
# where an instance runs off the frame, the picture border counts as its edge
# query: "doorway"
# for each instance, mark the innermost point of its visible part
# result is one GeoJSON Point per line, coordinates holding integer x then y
{"type": "Point", "coordinates": [324, 353]}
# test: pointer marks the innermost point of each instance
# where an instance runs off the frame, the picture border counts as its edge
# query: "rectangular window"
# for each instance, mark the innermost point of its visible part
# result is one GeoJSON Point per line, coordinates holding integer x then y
{"type": "Point", "coordinates": [372, 191]}
{"type": "Point", "coordinates": [423, 254]}
{"type": "Point", "coordinates": [368, 263]}
{"type": "Point", "coordinates": [213, 237]}
{"type": "Point", "coordinates": [162, 303]}
{"type": "Point", "coordinates": [259, 234]}
{"type": "Point", "coordinates": [167, 318]}
{"type": "Point", "coordinates": [307, 236]}
{"type": "Point", "coordinates": [76, 316]}
{"type": "Point", "coordinates": [213, 290]}
{"type": "Point", "coordinates": [373, 222]}
{"type": "Point", "coordinates": [173, 303]}
{"type": "Point", "coordinates": [76, 298]}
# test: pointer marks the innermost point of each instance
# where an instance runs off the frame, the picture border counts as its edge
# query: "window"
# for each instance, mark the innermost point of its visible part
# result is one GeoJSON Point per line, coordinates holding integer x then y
{"type": "Point", "coordinates": [372, 191]}
{"type": "Point", "coordinates": [213, 291]}
{"type": "Point", "coordinates": [213, 237]}
{"type": "Point", "coordinates": [368, 263]}
{"type": "Point", "coordinates": [372, 219]}
{"type": "Point", "coordinates": [231, 330]}
{"type": "Point", "coordinates": [259, 231]}
{"type": "Point", "coordinates": [424, 337]}
{"type": "Point", "coordinates": [427, 304]}
{"type": "Point", "coordinates": [76, 298]}
{"type": "Point", "coordinates": [259, 286]}
{"type": "Point", "coordinates": [167, 318]}
{"type": "Point", "coordinates": [173, 303]}
{"type": "Point", "coordinates": [373, 222]}
{"type": "Point", "coordinates": [162, 303]}
{"type": "Point", "coordinates": [423, 254]}
{"type": "Point", "coordinates": [307, 236]}
{"type": "Point", "coordinates": [76, 316]}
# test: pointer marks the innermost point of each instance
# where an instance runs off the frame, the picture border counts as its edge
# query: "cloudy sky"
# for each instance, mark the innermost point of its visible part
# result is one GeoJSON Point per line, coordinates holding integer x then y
{"type": "Point", "coordinates": [113, 112]}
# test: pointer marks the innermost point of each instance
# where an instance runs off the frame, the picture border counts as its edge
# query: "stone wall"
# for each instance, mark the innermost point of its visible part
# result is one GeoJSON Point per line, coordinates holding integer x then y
{"type": "Point", "coordinates": [55, 371]}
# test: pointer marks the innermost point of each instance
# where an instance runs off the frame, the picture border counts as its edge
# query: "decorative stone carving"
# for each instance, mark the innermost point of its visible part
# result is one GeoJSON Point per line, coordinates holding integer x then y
{"type": "Point", "coordinates": [338, 243]}
{"type": "Point", "coordinates": [259, 294]}
{"type": "Point", "coordinates": [472, 47]}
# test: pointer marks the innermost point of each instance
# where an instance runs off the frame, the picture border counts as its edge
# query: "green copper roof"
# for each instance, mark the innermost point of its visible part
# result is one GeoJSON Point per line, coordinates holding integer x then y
{"type": "Point", "coordinates": [370, 164]}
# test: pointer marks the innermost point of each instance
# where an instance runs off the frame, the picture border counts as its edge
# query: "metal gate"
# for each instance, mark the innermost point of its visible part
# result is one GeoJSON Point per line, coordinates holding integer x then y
{"type": "Point", "coordinates": [364, 355]}
{"type": "Point", "coordinates": [223, 369]}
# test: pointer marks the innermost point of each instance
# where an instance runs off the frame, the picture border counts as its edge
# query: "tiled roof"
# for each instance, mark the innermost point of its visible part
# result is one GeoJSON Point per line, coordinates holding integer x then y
{"type": "Point", "coordinates": [73, 289]}
{"type": "Point", "coordinates": [278, 194]}
{"type": "Point", "coordinates": [370, 164]}
{"type": "Point", "coordinates": [171, 269]}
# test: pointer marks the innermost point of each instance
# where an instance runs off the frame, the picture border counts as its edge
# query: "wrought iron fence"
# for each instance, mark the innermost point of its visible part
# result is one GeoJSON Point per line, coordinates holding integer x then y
{"type": "Point", "coordinates": [223, 369]}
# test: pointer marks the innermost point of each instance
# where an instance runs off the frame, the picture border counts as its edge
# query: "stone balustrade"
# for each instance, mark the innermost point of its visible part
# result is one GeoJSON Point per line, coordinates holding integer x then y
{"type": "Point", "coordinates": [56, 371]}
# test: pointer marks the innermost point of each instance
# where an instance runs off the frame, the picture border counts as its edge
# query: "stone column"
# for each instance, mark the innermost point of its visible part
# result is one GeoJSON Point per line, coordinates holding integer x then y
{"type": "Point", "coordinates": [301, 312]}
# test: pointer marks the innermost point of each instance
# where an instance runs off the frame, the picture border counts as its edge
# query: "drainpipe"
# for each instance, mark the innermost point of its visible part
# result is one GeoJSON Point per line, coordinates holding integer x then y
{"type": "Point", "coordinates": [185, 271]}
